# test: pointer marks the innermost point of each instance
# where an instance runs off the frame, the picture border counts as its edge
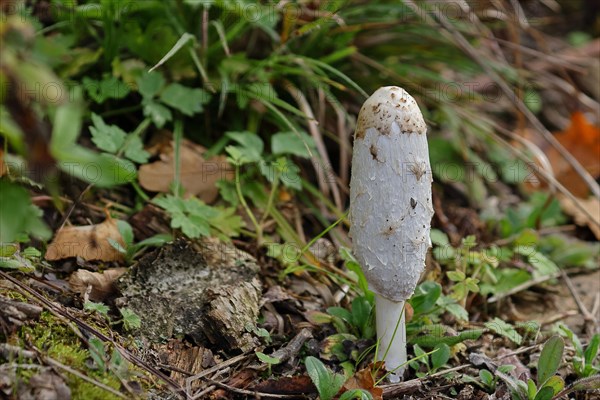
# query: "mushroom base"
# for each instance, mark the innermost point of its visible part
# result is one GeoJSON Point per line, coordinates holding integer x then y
{"type": "Point", "coordinates": [391, 333]}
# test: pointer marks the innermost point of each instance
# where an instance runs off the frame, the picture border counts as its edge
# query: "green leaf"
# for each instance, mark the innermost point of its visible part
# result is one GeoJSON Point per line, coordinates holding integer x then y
{"type": "Point", "coordinates": [531, 389]}
{"type": "Point", "coordinates": [251, 145]}
{"type": "Point", "coordinates": [226, 222]}
{"type": "Point", "coordinates": [188, 101]}
{"type": "Point", "coordinates": [436, 335]}
{"type": "Point", "coordinates": [31, 252]}
{"type": "Point", "coordinates": [545, 393]}
{"type": "Point", "coordinates": [341, 313]}
{"type": "Point", "coordinates": [450, 305]}
{"type": "Point", "coordinates": [425, 297]}
{"type": "Point", "coordinates": [486, 377]}
{"type": "Point", "coordinates": [505, 329]}
{"type": "Point", "coordinates": [267, 359]}
{"type": "Point", "coordinates": [517, 387]}
{"type": "Point", "coordinates": [126, 232]}
{"type": "Point", "coordinates": [300, 145]}
{"type": "Point", "coordinates": [290, 174]}
{"type": "Point", "coordinates": [550, 359]}
{"type": "Point", "coordinates": [327, 383]}
{"type": "Point", "coordinates": [117, 246]}
{"type": "Point", "coordinates": [18, 215]}
{"type": "Point", "coordinates": [102, 170]}
{"type": "Point", "coordinates": [156, 240]}
{"type": "Point", "coordinates": [96, 307]}
{"type": "Point", "coordinates": [107, 88]}
{"type": "Point", "coordinates": [157, 112]}
{"type": "Point", "coordinates": [456, 276]}
{"type": "Point", "coordinates": [440, 356]}
{"type": "Point", "coordinates": [134, 150]}
{"type": "Point", "coordinates": [362, 316]}
{"type": "Point", "coordinates": [66, 126]}
{"type": "Point", "coordinates": [195, 218]}
{"type": "Point", "coordinates": [149, 84]}
{"type": "Point", "coordinates": [556, 383]}
{"type": "Point", "coordinates": [318, 317]}
{"type": "Point", "coordinates": [439, 238]}
{"type": "Point", "coordinates": [130, 319]}
{"type": "Point", "coordinates": [109, 138]}
{"type": "Point", "coordinates": [360, 394]}
{"type": "Point", "coordinates": [182, 41]}
{"type": "Point", "coordinates": [591, 351]}
{"type": "Point", "coordinates": [97, 352]}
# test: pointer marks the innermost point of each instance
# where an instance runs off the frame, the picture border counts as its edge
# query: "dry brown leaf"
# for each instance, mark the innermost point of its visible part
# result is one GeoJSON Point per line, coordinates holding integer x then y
{"type": "Point", "coordinates": [591, 205]}
{"type": "Point", "coordinates": [363, 379]}
{"type": "Point", "coordinates": [102, 284]}
{"type": "Point", "coordinates": [198, 176]}
{"type": "Point", "coordinates": [90, 242]}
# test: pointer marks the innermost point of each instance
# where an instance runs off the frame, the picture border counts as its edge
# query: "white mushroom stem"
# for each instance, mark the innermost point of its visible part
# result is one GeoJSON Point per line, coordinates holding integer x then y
{"type": "Point", "coordinates": [391, 209]}
{"type": "Point", "coordinates": [391, 332]}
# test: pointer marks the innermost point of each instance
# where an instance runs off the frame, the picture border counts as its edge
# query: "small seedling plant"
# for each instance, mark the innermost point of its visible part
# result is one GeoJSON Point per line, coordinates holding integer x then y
{"type": "Point", "coordinates": [585, 361]}
{"type": "Point", "coordinates": [329, 383]}
{"type": "Point", "coordinates": [129, 319]}
{"type": "Point", "coordinates": [548, 384]}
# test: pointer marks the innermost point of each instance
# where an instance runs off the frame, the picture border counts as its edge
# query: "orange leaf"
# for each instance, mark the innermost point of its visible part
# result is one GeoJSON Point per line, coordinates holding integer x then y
{"type": "Point", "coordinates": [582, 140]}
{"type": "Point", "coordinates": [363, 379]}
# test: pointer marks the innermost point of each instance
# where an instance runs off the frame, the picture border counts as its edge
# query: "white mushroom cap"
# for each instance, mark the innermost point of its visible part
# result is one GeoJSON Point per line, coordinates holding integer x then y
{"type": "Point", "coordinates": [390, 193]}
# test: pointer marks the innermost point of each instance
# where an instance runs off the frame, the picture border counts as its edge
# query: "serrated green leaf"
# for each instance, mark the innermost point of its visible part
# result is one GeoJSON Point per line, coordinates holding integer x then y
{"type": "Point", "coordinates": [130, 319]}
{"type": "Point", "coordinates": [505, 329]}
{"type": "Point", "coordinates": [251, 145]}
{"type": "Point", "coordinates": [96, 307]}
{"type": "Point", "coordinates": [134, 150]}
{"type": "Point", "coordinates": [159, 114]}
{"type": "Point", "coordinates": [109, 138]}
{"type": "Point", "coordinates": [109, 87]}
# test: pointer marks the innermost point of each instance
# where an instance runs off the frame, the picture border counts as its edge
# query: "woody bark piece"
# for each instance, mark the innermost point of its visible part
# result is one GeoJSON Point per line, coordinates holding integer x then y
{"type": "Point", "coordinates": [208, 293]}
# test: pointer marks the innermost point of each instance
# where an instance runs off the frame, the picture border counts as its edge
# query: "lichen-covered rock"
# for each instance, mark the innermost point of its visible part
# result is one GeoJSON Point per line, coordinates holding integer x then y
{"type": "Point", "coordinates": [203, 292]}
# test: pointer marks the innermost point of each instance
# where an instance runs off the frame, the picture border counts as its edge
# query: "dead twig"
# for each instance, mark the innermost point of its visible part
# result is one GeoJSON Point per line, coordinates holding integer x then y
{"type": "Point", "coordinates": [253, 393]}
{"type": "Point", "coordinates": [587, 316]}
{"type": "Point", "coordinates": [293, 347]}
{"type": "Point", "coordinates": [220, 366]}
